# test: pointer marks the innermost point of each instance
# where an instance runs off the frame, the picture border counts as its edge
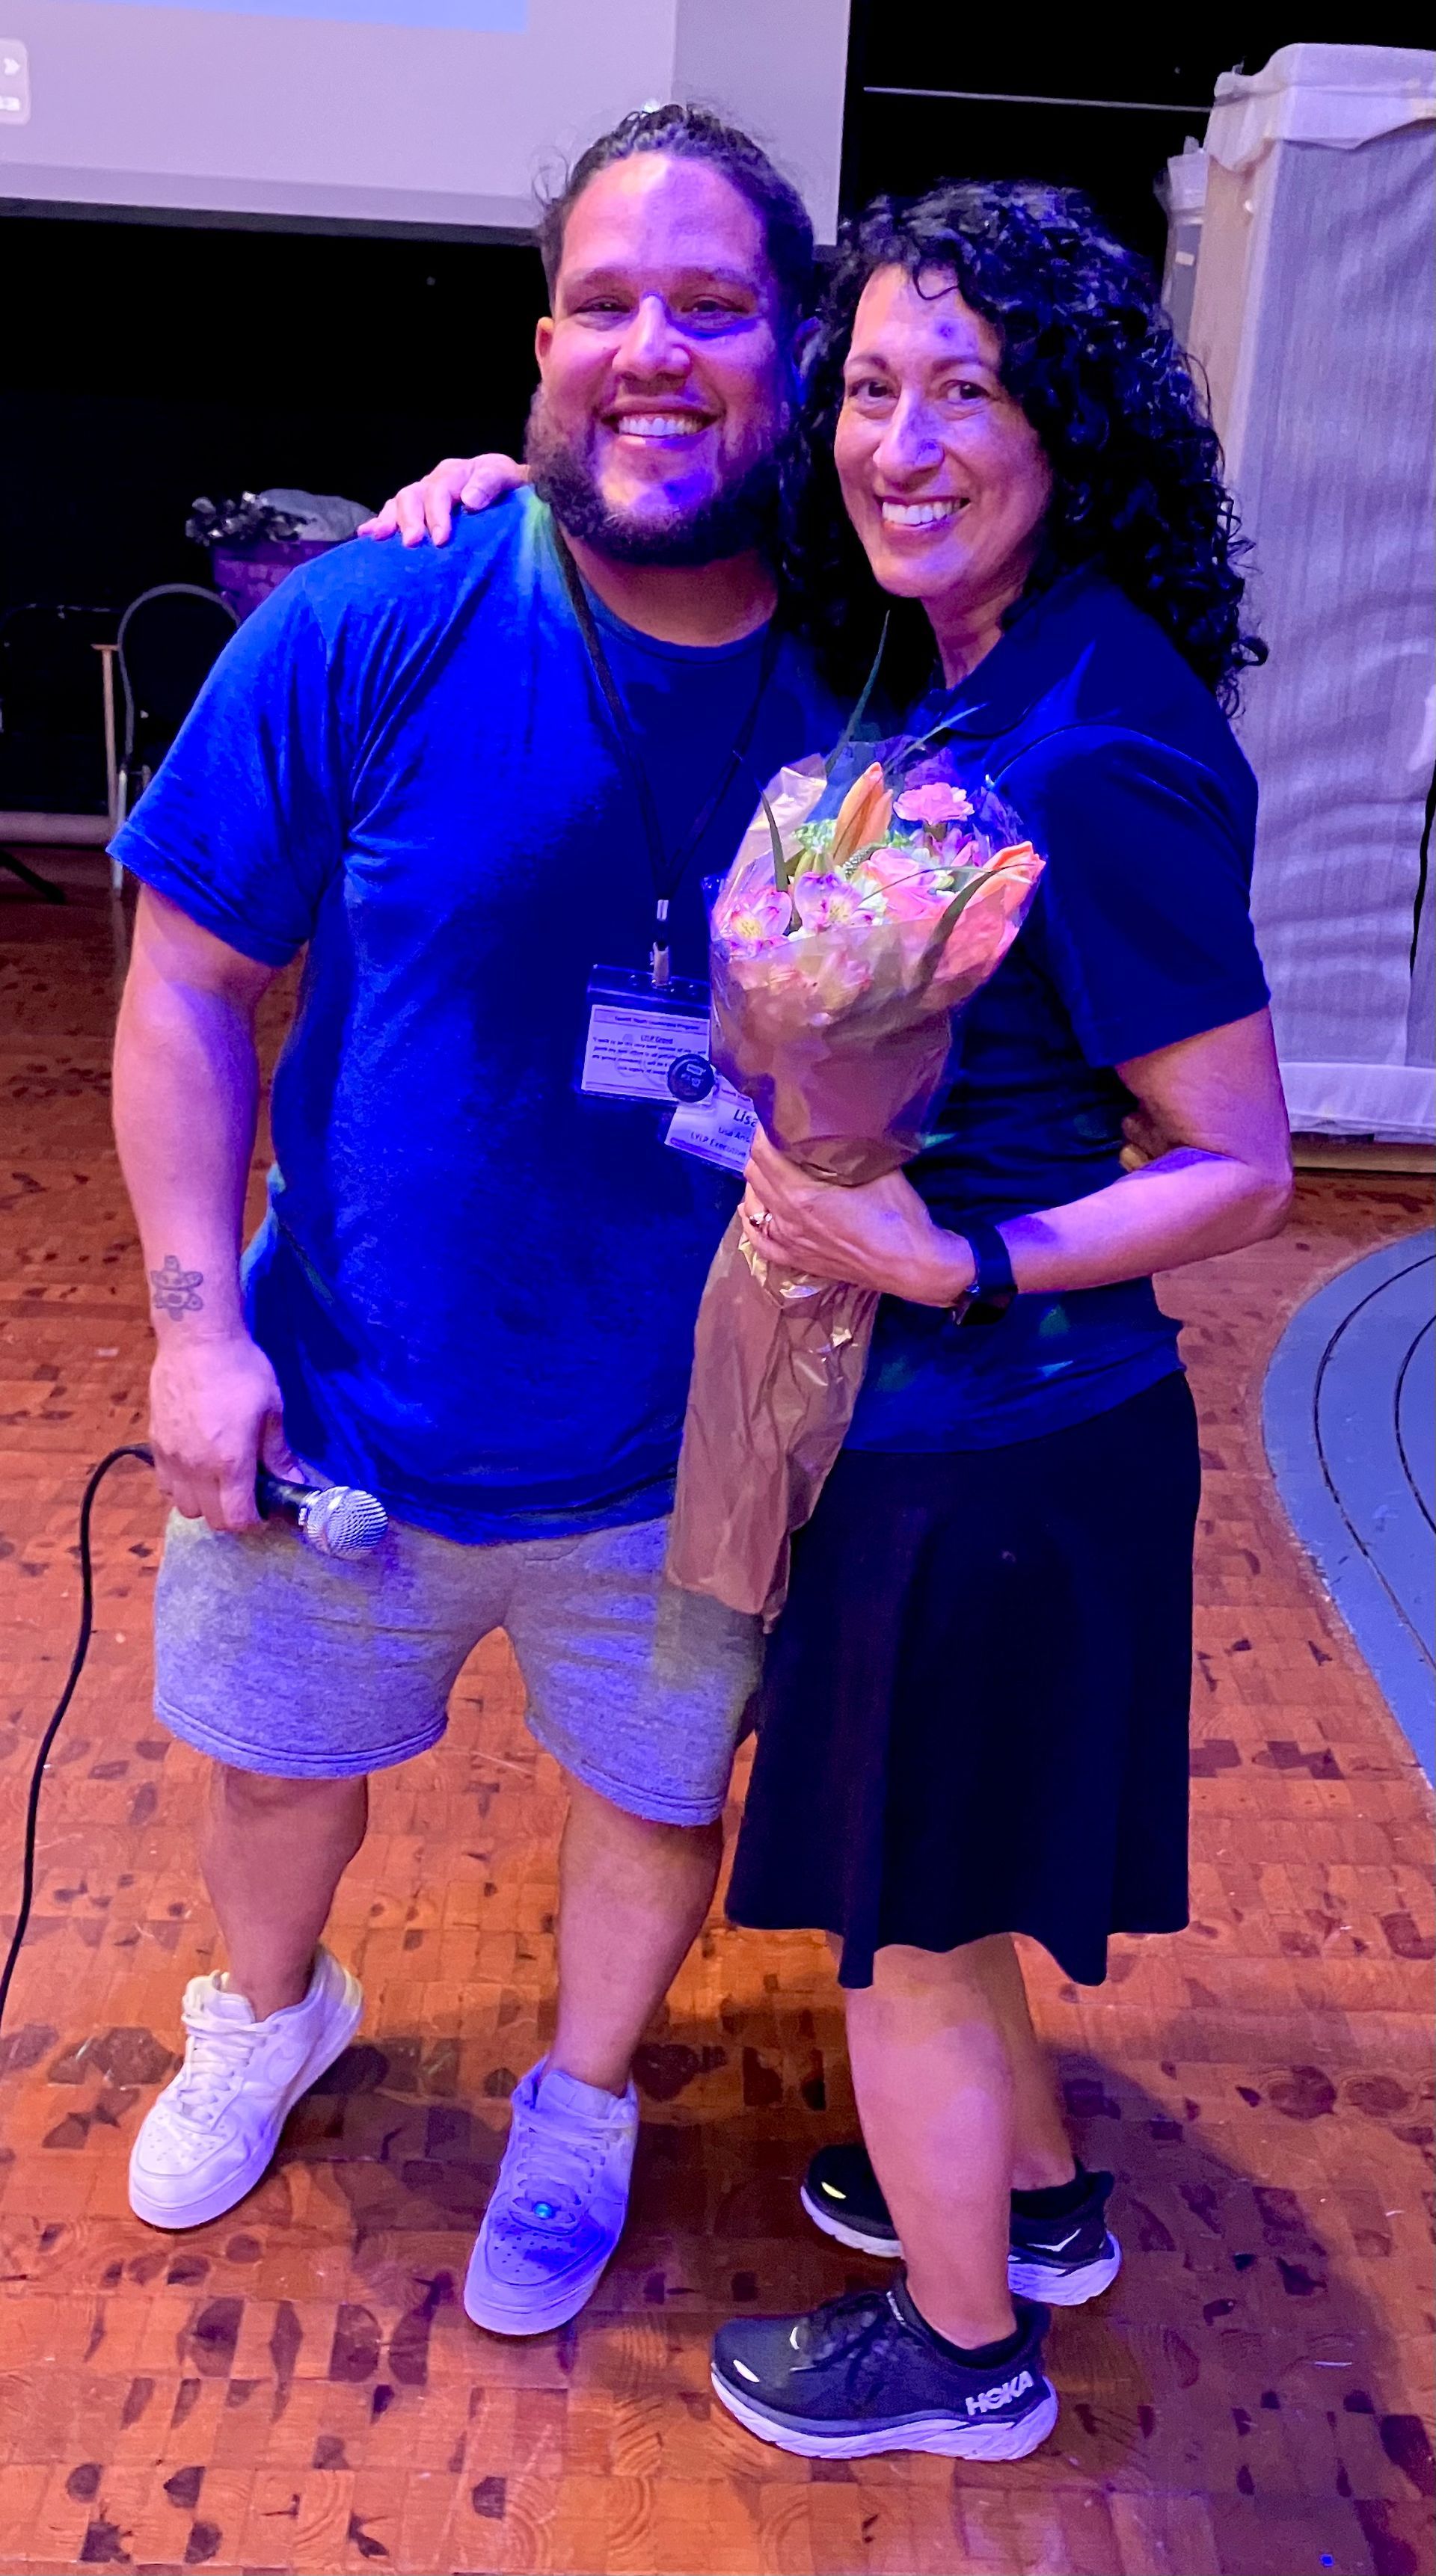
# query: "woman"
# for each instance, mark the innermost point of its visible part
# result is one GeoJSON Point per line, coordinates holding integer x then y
{"type": "Point", "coordinates": [974, 1717]}
{"type": "Point", "coordinates": [975, 1709]}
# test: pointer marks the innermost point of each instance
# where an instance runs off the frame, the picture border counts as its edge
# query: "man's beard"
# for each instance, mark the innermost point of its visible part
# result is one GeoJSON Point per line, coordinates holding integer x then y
{"type": "Point", "coordinates": [740, 515]}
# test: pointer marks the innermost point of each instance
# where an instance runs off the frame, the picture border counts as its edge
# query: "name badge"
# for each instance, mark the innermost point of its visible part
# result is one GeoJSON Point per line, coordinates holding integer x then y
{"type": "Point", "coordinates": [718, 1130]}
{"type": "Point", "coordinates": [646, 1041]}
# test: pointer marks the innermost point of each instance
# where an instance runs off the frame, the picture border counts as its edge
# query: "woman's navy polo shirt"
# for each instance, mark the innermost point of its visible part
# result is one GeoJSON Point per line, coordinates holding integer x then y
{"type": "Point", "coordinates": [1130, 782]}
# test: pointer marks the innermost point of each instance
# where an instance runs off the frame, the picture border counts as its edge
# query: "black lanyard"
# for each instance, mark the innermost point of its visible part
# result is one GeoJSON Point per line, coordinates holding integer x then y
{"type": "Point", "coordinates": [668, 869]}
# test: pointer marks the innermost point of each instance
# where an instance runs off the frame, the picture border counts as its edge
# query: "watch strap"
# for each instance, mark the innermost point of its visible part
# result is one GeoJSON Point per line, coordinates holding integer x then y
{"type": "Point", "coordinates": [994, 1262]}
{"type": "Point", "coordinates": [993, 1286]}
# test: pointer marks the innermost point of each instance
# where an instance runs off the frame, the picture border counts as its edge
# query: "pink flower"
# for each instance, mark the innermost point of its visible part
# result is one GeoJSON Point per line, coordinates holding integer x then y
{"type": "Point", "coordinates": [908, 890]}
{"type": "Point", "coordinates": [934, 804]}
{"type": "Point", "coordinates": [953, 852]}
{"type": "Point", "coordinates": [757, 918]}
{"type": "Point", "coordinates": [827, 902]}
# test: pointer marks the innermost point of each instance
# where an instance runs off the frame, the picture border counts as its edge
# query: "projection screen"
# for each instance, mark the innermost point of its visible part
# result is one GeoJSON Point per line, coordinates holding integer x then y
{"type": "Point", "coordinates": [437, 114]}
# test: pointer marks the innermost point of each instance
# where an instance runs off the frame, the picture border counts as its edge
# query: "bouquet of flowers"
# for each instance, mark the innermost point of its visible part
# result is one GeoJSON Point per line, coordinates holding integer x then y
{"type": "Point", "coordinates": [851, 925]}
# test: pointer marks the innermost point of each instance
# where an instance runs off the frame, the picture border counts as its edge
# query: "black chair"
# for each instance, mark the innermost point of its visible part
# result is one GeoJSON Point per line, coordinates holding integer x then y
{"type": "Point", "coordinates": [168, 640]}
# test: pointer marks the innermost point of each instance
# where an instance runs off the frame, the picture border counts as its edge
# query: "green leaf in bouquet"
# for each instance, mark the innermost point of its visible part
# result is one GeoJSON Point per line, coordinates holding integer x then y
{"type": "Point", "coordinates": [782, 872]}
{"type": "Point", "coordinates": [849, 732]}
{"type": "Point", "coordinates": [960, 902]}
{"type": "Point", "coordinates": [938, 735]}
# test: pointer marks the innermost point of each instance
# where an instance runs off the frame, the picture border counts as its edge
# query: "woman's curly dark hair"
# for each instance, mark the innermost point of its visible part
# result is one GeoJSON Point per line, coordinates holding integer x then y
{"type": "Point", "coordinates": [1089, 354]}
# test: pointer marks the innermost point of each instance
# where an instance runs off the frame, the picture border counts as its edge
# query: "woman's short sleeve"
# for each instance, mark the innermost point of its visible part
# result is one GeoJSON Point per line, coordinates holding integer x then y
{"type": "Point", "coordinates": [1144, 918]}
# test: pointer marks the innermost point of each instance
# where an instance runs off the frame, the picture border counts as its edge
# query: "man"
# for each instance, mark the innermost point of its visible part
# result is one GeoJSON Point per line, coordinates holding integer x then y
{"type": "Point", "coordinates": [464, 781]}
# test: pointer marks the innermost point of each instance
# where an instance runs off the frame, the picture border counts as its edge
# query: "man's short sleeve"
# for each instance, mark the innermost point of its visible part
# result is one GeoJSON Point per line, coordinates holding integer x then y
{"type": "Point", "coordinates": [243, 823]}
{"type": "Point", "coordinates": [1144, 917]}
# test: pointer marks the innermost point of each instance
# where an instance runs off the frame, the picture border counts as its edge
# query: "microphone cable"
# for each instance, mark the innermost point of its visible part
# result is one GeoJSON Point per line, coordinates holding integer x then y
{"type": "Point", "coordinates": [77, 1666]}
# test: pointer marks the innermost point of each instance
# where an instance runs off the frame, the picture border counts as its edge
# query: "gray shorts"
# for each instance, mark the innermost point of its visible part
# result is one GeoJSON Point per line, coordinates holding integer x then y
{"type": "Point", "coordinates": [273, 1658]}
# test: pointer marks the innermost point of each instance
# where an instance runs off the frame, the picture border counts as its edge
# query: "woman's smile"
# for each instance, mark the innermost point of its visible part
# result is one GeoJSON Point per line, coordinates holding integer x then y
{"type": "Point", "coordinates": [918, 518]}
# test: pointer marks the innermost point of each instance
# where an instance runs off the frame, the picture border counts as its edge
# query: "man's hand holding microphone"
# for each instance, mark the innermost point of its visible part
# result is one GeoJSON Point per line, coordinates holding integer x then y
{"type": "Point", "coordinates": [216, 1418]}
{"type": "Point", "coordinates": [186, 1067]}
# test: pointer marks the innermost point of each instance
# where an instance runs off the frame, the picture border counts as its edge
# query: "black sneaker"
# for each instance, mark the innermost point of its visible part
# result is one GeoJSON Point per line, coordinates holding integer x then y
{"type": "Point", "coordinates": [864, 2374]}
{"type": "Point", "coordinates": [842, 2195]}
{"type": "Point", "coordinates": [1064, 2261]}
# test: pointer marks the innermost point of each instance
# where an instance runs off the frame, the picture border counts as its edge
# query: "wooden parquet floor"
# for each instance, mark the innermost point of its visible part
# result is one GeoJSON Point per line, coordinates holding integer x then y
{"type": "Point", "coordinates": [296, 2388]}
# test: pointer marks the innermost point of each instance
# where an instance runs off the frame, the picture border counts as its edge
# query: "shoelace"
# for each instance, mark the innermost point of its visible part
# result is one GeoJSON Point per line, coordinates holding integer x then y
{"type": "Point", "coordinates": [850, 2330]}
{"type": "Point", "coordinates": [553, 2173]}
{"type": "Point", "coordinates": [216, 2064]}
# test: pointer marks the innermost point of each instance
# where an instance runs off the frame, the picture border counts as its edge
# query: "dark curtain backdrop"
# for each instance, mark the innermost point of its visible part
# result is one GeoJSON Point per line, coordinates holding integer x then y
{"type": "Point", "coordinates": [149, 363]}
{"type": "Point", "coordinates": [1092, 102]}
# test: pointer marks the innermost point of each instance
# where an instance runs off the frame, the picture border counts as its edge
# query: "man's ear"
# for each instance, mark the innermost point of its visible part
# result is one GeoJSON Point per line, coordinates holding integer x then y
{"type": "Point", "coordinates": [543, 340]}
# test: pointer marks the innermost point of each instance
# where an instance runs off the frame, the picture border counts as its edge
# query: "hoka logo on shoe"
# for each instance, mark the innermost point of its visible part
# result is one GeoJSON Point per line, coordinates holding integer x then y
{"type": "Point", "coordinates": [989, 2399]}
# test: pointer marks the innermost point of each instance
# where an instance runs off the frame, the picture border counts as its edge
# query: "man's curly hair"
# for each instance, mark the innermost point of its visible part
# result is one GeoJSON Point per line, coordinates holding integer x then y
{"type": "Point", "coordinates": [1089, 354]}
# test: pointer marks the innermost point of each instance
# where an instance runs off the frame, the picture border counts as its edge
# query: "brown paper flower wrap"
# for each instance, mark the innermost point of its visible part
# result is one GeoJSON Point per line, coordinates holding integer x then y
{"type": "Point", "coordinates": [842, 945]}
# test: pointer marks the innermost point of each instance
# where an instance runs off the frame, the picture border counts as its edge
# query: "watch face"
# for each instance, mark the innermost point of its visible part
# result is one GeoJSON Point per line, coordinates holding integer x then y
{"type": "Point", "coordinates": [991, 1308]}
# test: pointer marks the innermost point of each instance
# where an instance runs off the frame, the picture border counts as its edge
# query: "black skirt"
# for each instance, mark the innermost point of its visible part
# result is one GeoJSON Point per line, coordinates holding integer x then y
{"type": "Point", "coordinates": [974, 1712]}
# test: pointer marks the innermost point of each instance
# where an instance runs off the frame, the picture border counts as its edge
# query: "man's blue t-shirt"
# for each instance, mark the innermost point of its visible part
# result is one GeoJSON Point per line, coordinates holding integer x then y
{"type": "Point", "coordinates": [478, 1288]}
{"type": "Point", "coordinates": [1128, 777]}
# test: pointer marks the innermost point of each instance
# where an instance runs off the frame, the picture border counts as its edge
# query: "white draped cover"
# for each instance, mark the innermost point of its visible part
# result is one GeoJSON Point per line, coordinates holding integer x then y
{"type": "Point", "coordinates": [1314, 316]}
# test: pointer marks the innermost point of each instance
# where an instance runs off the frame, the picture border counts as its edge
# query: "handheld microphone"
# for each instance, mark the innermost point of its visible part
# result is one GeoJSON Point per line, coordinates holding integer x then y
{"type": "Point", "coordinates": [337, 1520]}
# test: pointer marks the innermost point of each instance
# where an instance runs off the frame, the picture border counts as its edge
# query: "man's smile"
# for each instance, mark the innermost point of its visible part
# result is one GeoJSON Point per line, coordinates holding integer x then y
{"type": "Point", "coordinates": [651, 424]}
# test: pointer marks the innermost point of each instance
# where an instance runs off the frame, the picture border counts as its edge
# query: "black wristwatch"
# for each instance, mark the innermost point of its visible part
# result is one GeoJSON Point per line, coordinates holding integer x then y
{"type": "Point", "coordinates": [993, 1287]}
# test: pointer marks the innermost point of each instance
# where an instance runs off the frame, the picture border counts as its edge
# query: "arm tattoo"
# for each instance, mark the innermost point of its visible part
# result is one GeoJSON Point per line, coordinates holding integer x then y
{"type": "Point", "coordinates": [176, 1290]}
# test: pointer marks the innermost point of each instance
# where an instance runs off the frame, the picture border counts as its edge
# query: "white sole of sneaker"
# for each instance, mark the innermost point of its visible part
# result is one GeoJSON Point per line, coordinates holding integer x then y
{"type": "Point", "coordinates": [949, 2438]}
{"type": "Point", "coordinates": [213, 2204]}
{"type": "Point", "coordinates": [886, 2249]}
{"type": "Point", "coordinates": [1066, 2289]}
{"type": "Point", "coordinates": [538, 2320]}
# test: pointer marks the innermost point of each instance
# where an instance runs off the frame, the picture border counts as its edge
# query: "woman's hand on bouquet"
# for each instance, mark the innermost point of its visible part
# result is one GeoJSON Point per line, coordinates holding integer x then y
{"type": "Point", "coordinates": [878, 1235]}
{"type": "Point", "coordinates": [427, 509]}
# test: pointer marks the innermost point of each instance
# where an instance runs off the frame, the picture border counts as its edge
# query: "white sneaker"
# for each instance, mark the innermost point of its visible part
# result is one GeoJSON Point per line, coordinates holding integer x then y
{"type": "Point", "coordinates": [214, 2129]}
{"type": "Point", "coordinates": [558, 2206]}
